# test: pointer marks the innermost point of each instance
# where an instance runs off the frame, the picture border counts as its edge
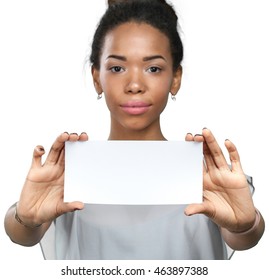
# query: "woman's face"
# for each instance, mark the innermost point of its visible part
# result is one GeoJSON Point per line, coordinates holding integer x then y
{"type": "Point", "coordinates": [136, 75]}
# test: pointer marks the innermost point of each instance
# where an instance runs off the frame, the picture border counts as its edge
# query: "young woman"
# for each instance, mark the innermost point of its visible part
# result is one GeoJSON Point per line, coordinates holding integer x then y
{"type": "Point", "coordinates": [136, 63]}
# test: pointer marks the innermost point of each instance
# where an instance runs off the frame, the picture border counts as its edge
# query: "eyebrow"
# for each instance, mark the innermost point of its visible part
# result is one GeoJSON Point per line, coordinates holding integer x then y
{"type": "Point", "coordinates": [147, 58]}
{"type": "Point", "coordinates": [119, 57]}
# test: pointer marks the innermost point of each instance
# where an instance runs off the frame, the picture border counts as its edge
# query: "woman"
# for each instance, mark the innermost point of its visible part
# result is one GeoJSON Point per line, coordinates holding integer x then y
{"type": "Point", "coordinates": [136, 62]}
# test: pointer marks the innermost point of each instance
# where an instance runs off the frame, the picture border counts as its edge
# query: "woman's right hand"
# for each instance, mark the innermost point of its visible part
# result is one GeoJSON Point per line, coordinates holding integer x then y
{"type": "Point", "coordinates": [41, 198]}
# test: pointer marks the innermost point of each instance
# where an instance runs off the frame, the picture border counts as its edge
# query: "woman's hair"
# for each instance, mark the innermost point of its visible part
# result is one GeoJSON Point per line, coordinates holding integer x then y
{"type": "Point", "coordinates": [157, 13]}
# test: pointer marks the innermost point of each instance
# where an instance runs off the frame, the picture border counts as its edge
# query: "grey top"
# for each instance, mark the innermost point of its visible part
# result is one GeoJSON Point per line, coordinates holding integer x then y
{"type": "Point", "coordinates": [122, 232]}
{"type": "Point", "coordinates": [135, 232]}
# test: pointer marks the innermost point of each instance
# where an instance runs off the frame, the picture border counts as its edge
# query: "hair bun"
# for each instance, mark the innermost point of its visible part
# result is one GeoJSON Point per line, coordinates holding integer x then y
{"type": "Point", "coordinates": [112, 2]}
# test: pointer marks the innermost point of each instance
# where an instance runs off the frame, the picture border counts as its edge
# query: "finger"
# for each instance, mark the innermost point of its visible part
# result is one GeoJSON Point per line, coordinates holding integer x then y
{"type": "Point", "coordinates": [210, 163]}
{"type": "Point", "coordinates": [73, 137]}
{"type": "Point", "coordinates": [83, 137]}
{"type": "Point", "coordinates": [234, 156]}
{"type": "Point", "coordinates": [198, 138]}
{"type": "Point", "coordinates": [39, 151]}
{"type": "Point", "coordinates": [189, 137]}
{"type": "Point", "coordinates": [56, 148]}
{"type": "Point", "coordinates": [61, 159]}
{"type": "Point", "coordinates": [204, 168]}
{"type": "Point", "coordinates": [69, 207]}
{"type": "Point", "coordinates": [201, 208]}
{"type": "Point", "coordinates": [195, 208]}
{"type": "Point", "coordinates": [214, 151]}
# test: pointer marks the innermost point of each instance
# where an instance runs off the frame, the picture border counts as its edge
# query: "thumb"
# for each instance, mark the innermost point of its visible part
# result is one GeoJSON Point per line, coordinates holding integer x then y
{"type": "Point", "coordinates": [69, 207]}
{"type": "Point", "coordinates": [195, 208]}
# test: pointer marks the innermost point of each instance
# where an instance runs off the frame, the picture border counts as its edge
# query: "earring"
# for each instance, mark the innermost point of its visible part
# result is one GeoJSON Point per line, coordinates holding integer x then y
{"type": "Point", "coordinates": [173, 97]}
{"type": "Point", "coordinates": [99, 96]}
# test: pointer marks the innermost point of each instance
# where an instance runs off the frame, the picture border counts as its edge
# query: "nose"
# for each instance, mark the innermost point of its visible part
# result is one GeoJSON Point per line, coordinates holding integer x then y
{"type": "Point", "coordinates": [135, 83]}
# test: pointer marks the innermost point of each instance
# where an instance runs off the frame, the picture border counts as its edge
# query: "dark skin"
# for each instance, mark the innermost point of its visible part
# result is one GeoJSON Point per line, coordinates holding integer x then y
{"type": "Point", "coordinates": [43, 189]}
{"type": "Point", "coordinates": [226, 199]}
{"type": "Point", "coordinates": [135, 67]}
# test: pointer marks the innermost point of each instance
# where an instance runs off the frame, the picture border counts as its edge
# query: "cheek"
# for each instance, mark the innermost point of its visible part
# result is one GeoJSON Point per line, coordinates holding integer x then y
{"type": "Point", "coordinates": [163, 102]}
{"type": "Point", "coordinates": [110, 85]}
{"type": "Point", "coordinates": [162, 90]}
{"type": "Point", "coordinates": [163, 84]}
{"type": "Point", "coordinates": [112, 98]}
{"type": "Point", "coordinates": [109, 101]}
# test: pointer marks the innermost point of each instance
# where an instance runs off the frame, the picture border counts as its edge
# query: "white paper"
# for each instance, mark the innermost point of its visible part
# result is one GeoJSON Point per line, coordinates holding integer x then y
{"type": "Point", "coordinates": [133, 172]}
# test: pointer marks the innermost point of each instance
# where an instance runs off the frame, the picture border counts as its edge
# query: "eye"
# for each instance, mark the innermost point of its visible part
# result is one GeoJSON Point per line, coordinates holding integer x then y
{"type": "Point", "coordinates": [154, 69]}
{"type": "Point", "coordinates": [116, 69]}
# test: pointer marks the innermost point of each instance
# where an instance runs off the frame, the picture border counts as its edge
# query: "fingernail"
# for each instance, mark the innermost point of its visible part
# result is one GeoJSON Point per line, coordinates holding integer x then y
{"type": "Point", "coordinates": [40, 149]}
{"type": "Point", "coordinates": [198, 135]}
{"type": "Point", "coordinates": [74, 133]}
{"type": "Point", "coordinates": [66, 132]}
{"type": "Point", "coordinates": [204, 128]}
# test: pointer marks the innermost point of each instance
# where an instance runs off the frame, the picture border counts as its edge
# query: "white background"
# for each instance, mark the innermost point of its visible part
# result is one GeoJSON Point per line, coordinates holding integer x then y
{"type": "Point", "coordinates": [46, 89]}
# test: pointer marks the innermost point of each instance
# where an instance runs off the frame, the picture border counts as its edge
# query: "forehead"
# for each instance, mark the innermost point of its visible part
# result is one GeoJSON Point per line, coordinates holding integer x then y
{"type": "Point", "coordinates": [136, 38]}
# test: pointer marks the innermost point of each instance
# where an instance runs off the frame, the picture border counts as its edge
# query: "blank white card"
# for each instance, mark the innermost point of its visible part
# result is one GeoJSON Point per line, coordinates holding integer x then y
{"type": "Point", "coordinates": [133, 172]}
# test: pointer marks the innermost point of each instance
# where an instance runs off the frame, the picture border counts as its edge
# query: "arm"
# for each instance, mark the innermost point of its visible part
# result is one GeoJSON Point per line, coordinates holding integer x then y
{"type": "Point", "coordinates": [248, 238]}
{"type": "Point", "coordinates": [227, 199]}
{"type": "Point", "coordinates": [23, 234]}
{"type": "Point", "coordinates": [41, 199]}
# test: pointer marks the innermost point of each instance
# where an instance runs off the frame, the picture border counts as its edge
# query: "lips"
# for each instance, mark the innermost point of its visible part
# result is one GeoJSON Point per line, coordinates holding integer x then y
{"type": "Point", "coordinates": [135, 107]}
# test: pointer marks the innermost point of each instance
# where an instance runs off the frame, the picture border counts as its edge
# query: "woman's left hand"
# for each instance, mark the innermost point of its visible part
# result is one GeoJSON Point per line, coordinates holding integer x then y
{"type": "Point", "coordinates": [227, 198]}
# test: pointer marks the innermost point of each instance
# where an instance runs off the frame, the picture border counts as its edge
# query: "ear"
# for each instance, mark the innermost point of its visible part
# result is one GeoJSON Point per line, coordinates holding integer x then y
{"type": "Point", "coordinates": [96, 80]}
{"type": "Point", "coordinates": [176, 83]}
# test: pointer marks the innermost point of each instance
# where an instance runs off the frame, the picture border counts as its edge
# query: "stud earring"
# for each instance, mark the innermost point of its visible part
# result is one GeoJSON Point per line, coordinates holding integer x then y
{"type": "Point", "coordinates": [99, 96]}
{"type": "Point", "coordinates": [173, 97]}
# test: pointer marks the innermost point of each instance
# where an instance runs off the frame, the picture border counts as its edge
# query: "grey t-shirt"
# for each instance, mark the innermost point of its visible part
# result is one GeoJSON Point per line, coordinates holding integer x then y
{"type": "Point", "coordinates": [123, 232]}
